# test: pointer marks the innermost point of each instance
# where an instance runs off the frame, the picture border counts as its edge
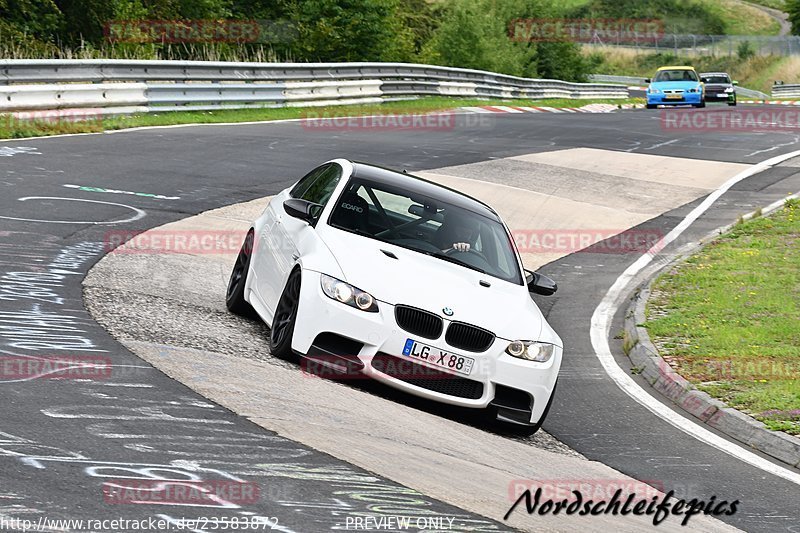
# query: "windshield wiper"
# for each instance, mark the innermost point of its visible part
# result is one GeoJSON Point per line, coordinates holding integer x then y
{"type": "Point", "coordinates": [452, 259]}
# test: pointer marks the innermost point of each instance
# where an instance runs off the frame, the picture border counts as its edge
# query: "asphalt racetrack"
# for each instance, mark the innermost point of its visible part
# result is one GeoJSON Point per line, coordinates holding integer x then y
{"type": "Point", "coordinates": [61, 439]}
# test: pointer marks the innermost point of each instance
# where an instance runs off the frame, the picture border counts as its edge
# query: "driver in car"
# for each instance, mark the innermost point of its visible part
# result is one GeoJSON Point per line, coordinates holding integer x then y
{"type": "Point", "coordinates": [457, 232]}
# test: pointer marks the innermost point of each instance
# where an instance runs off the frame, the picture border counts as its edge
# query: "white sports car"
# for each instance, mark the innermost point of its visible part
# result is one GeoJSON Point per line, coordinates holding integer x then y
{"type": "Point", "coordinates": [361, 268]}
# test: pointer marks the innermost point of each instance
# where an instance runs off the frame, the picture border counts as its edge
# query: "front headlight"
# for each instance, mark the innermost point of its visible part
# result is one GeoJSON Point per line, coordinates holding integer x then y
{"type": "Point", "coordinates": [347, 294]}
{"type": "Point", "coordinates": [729, 90]}
{"type": "Point", "coordinates": [541, 352]}
{"type": "Point", "coordinates": [654, 91]}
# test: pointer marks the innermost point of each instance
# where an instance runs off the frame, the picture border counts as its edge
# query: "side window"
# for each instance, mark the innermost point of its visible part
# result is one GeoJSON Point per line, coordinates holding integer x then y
{"type": "Point", "coordinates": [306, 181]}
{"type": "Point", "coordinates": [322, 188]}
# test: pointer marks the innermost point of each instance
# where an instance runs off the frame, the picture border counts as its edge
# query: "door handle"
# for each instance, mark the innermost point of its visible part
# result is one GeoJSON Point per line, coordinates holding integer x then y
{"type": "Point", "coordinates": [295, 257]}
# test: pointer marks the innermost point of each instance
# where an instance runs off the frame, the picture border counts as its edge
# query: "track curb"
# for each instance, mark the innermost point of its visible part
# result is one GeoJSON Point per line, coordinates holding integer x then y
{"type": "Point", "coordinates": [659, 374]}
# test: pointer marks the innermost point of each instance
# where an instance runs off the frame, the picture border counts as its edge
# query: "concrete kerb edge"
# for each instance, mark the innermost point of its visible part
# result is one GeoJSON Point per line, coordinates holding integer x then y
{"type": "Point", "coordinates": [659, 374]}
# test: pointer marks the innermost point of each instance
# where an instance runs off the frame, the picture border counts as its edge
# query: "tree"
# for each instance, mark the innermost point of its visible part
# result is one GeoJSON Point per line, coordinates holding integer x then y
{"type": "Point", "coordinates": [792, 7]}
{"type": "Point", "coordinates": [481, 34]}
{"type": "Point", "coordinates": [40, 19]}
{"type": "Point", "coordinates": [342, 30]}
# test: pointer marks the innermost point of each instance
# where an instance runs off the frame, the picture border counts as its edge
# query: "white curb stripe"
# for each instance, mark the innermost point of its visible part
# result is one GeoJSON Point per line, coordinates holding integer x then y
{"type": "Point", "coordinates": [601, 327]}
{"type": "Point", "coordinates": [476, 109]}
{"type": "Point", "coordinates": [507, 109]}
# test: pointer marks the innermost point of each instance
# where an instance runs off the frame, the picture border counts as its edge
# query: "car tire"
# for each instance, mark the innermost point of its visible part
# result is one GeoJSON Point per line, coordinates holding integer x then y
{"type": "Point", "coordinates": [701, 104]}
{"type": "Point", "coordinates": [732, 103]}
{"type": "Point", "coordinates": [651, 106]}
{"type": "Point", "coordinates": [527, 431]}
{"type": "Point", "coordinates": [282, 329]}
{"type": "Point", "coordinates": [234, 296]}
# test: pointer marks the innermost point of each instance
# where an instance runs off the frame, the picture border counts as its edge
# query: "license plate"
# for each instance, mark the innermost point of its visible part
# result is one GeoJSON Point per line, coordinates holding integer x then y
{"type": "Point", "coordinates": [674, 97]}
{"type": "Point", "coordinates": [439, 358]}
{"type": "Point", "coordinates": [722, 96]}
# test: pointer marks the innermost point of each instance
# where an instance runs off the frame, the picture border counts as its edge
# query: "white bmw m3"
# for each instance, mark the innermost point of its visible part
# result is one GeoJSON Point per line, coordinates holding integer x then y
{"type": "Point", "coordinates": [362, 269]}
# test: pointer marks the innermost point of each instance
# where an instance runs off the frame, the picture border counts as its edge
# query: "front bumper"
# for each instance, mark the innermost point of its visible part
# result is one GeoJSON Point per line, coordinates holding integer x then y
{"type": "Point", "coordinates": [496, 378]}
{"type": "Point", "coordinates": [719, 96]}
{"type": "Point", "coordinates": [664, 99]}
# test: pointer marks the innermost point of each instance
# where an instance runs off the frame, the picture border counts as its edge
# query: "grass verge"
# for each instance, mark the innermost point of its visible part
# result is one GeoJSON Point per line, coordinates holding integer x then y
{"type": "Point", "coordinates": [728, 319]}
{"type": "Point", "coordinates": [740, 18]}
{"type": "Point", "coordinates": [11, 128]}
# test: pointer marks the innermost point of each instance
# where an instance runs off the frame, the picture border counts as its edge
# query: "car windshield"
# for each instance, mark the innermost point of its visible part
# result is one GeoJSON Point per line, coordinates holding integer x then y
{"type": "Point", "coordinates": [428, 226]}
{"type": "Point", "coordinates": [676, 75]}
{"type": "Point", "coordinates": [717, 79]}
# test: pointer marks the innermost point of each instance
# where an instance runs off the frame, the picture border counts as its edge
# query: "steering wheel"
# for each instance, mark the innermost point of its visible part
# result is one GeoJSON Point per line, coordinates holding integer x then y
{"type": "Point", "coordinates": [453, 251]}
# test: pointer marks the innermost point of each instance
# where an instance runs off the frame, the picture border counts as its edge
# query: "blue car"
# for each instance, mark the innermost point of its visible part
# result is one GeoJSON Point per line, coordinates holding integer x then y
{"type": "Point", "coordinates": [675, 86]}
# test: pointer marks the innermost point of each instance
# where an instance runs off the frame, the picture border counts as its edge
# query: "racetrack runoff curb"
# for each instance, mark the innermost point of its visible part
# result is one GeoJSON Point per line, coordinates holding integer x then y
{"type": "Point", "coordinates": [645, 357]}
{"type": "Point", "coordinates": [606, 310]}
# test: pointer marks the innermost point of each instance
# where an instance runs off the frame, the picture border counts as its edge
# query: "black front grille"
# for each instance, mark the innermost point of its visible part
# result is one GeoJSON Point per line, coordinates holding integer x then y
{"type": "Point", "coordinates": [427, 378]}
{"type": "Point", "coordinates": [468, 337]}
{"type": "Point", "coordinates": [418, 322]}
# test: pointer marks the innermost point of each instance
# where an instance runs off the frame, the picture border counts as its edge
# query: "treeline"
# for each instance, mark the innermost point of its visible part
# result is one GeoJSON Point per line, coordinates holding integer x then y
{"type": "Point", "coordinates": [461, 33]}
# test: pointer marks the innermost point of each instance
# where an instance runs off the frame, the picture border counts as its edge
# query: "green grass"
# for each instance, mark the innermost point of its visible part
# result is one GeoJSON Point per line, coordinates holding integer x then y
{"type": "Point", "coordinates": [728, 319]}
{"type": "Point", "coordinates": [15, 129]}
{"type": "Point", "coordinates": [741, 19]}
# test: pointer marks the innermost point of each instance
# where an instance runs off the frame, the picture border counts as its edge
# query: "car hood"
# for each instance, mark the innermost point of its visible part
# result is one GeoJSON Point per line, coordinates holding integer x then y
{"type": "Point", "coordinates": [718, 86]}
{"type": "Point", "coordinates": [672, 85]}
{"type": "Point", "coordinates": [418, 280]}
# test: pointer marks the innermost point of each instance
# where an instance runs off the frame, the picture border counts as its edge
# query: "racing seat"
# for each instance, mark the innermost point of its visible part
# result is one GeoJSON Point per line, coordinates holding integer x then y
{"type": "Point", "coordinates": [351, 212]}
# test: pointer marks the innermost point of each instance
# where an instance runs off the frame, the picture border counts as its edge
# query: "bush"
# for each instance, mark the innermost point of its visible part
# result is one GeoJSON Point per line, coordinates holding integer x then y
{"type": "Point", "coordinates": [745, 50]}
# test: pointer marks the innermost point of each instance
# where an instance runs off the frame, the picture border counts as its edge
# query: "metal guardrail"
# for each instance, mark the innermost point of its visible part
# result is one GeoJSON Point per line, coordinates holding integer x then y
{"type": "Point", "coordinates": [751, 93]}
{"type": "Point", "coordinates": [607, 78]}
{"type": "Point", "coordinates": [786, 91]}
{"type": "Point", "coordinates": [191, 85]}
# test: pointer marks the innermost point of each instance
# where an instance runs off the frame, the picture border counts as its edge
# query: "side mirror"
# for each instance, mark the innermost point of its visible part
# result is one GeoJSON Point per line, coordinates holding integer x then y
{"type": "Point", "coordinates": [540, 284]}
{"type": "Point", "coordinates": [647, 80]}
{"type": "Point", "coordinates": [734, 82]}
{"type": "Point", "coordinates": [302, 209]}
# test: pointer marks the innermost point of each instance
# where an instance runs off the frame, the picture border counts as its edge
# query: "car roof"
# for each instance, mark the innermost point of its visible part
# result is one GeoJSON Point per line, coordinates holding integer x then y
{"type": "Point", "coordinates": [417, 185]}
{"type": "Point", "coordinates": [715, 74]}
{"type": "Point", "coordinates": [679, 67]}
